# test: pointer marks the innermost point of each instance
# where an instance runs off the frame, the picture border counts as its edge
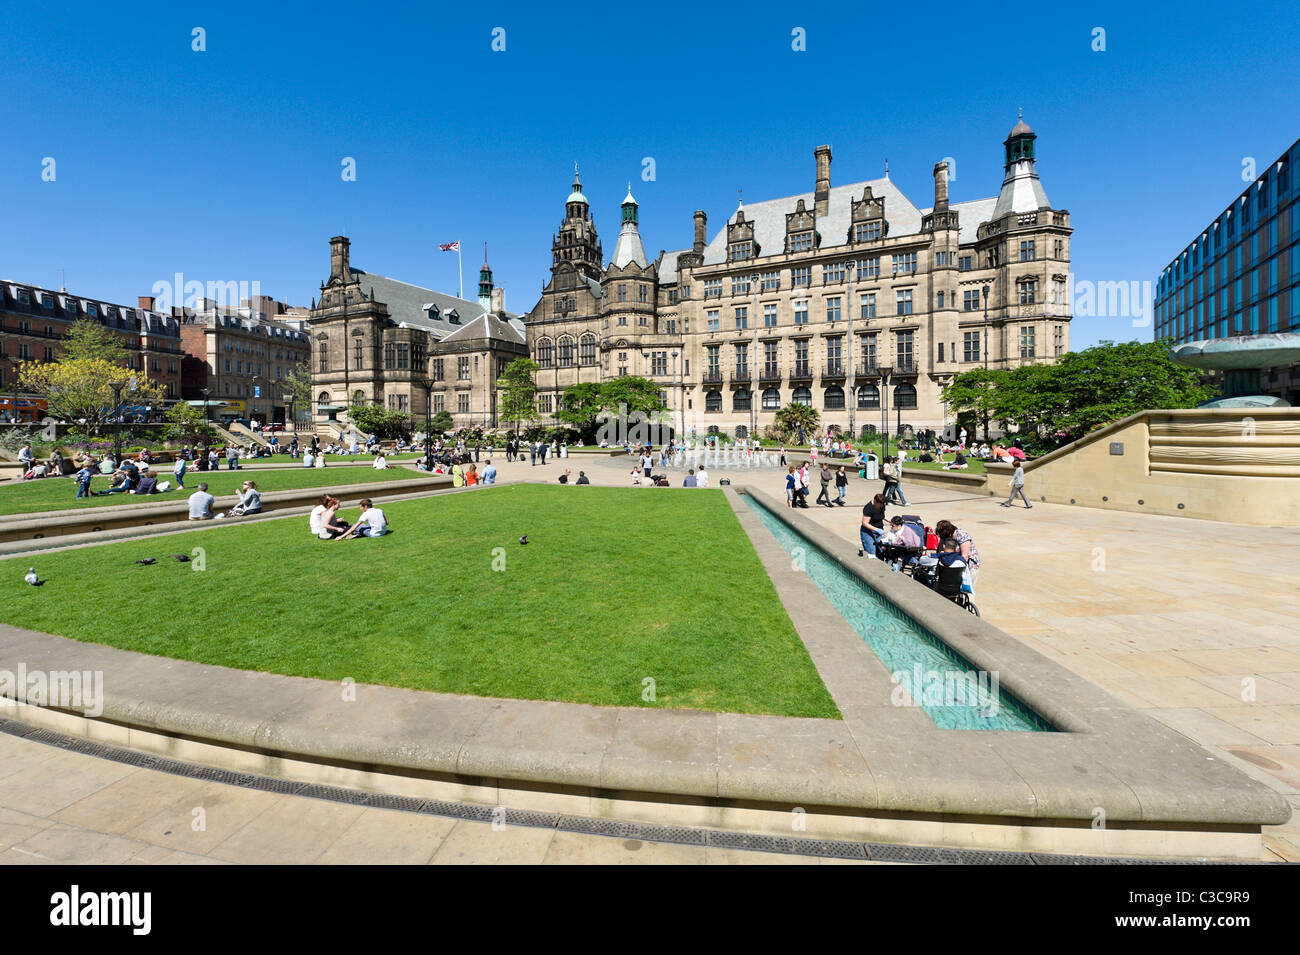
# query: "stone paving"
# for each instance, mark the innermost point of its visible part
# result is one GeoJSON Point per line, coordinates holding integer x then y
{"type": "Point", "coordinates": [1192, 621]}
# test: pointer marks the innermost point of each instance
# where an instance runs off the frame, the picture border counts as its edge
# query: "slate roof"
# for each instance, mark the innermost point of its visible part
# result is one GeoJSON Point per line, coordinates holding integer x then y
{"type": "Point", "coordinates": [668, 267]}
{"type": "Point", "coordinates": [408, 304]}
{"type": "Point", "coordinates": [491, 327]}
{"type": "Point", "coordinates": [971, 215]}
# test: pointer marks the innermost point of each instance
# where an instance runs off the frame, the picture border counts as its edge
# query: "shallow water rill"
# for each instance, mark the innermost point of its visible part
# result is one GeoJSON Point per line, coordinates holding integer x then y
{"type": "Point", "coordinates": [926, 671]}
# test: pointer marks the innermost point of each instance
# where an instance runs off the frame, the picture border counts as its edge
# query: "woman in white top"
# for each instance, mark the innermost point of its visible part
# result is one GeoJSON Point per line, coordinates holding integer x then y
{"type": "Point", "coordinates": [381, 463]}
{"type": "Point", "coordinates": [317, 516]}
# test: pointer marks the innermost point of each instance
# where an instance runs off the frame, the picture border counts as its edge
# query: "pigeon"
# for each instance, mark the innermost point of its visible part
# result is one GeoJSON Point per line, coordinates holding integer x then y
{"type": "Point", "coordinates": [147, 560]}
{"type": "Point", "coordinates": [31, 577]}
{"type": "Point", "coordinates": [181, 557]}
{"type": "Point", "coordinates": [524, 539]}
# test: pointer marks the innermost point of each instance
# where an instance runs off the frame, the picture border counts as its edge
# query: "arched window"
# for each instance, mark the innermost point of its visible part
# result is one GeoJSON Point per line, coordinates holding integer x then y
{"type": "Point", "coordinates": [566, 352]}
{"type": "Point", "coordinates": [358, 397]}
{"type": "Point", "coordinates": [868, 398]}
{"type": "Point", "coordinates": [771, 399]}
{"type": "Point", "coordinates": [322, 400]}
{"type": "Point", "coordinates": [587, 349]}
{"type": "Point", "coordinates": [741, 400]}
{"type": "Point", "coordinates": [742, 432]}
{"type": "Point", "coordinates": [802, 396]}
{"type": "Point", "coordinates": [323, 349]}
{"type": "Point", "coordinates": [545, 355]}
{"type": "Point", "coordinates": [904, 397]}
{"type": "Point", "coordinates": [713, 401]}
{"type": "Point", "coordinates": [834, 399]}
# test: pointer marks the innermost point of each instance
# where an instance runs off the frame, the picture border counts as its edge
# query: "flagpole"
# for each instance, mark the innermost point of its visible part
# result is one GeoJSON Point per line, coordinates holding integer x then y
{"type": "Point", "coordinates": [460, 273]}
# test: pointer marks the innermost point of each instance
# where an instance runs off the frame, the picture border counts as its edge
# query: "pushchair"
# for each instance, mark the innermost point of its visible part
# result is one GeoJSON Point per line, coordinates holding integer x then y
{"type": "Point", "coordinates": [946, 580]}
{"type": "Point", "coordinates": [899, 556]}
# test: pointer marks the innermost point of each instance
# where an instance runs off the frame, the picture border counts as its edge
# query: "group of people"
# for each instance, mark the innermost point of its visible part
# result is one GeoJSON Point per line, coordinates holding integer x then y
{"type": "Point", "coordinates": [954, 543]}
{"type": "Point", "coordinates": [201, 502]}
{"type": "Point", "coordinates": [797, 484]}
{"type": "Point", "coordinates": [326, 524]}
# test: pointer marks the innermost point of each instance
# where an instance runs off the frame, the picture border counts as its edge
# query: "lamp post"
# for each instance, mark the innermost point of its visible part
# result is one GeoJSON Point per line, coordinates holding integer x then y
{"type": "Point", "coordinates": [884, 412]}
{"type": "Point", "coordinates": [428, 423]}
{"type": "Point", "coordinates": [117, 425]}
{"type": "Point", "coordinates": [207, 425]}
{"type": "Point", "coordinates": [852, 380]}
{"type": "Point", "coordinates": [290, 399]}
{"type": "Point", "coordinates": [681, 413]}
{"type": "Point", "coordinates": [753, 363]}
{"type": "Point", "coordinates": [986, 363]}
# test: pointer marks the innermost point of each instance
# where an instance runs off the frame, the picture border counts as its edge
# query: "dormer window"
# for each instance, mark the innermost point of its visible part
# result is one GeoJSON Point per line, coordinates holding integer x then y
{"type": "Point", "coordinates": [453, 316]}
{"type": "Point", "coordinates": [801, 242]}
{"type": "Point", "coordinates": [740, 251]}
{"type": "Point", "coordinates": [47, 301]}
{"type": "Point", "coordinates": [866, 232]}
{"type": "Point", "coordinates": [92, 310]}
{"type": "Point", "coordinates": [24, 297]}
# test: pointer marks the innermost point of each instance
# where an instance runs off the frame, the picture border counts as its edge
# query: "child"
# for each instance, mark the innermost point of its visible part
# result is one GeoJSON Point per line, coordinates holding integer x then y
{"type": "Point", "coordinates": [178, 469]}
{"type": "Point", "coordinates": [83, 481]}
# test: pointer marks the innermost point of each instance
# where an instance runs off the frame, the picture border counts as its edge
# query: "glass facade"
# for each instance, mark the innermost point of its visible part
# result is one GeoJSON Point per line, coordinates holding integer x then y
{"type": "Point", "coordinates": [1241, 276]}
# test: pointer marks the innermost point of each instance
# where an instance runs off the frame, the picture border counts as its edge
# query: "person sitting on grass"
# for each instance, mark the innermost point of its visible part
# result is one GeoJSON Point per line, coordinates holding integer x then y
{"type": "Point", "coordinates": [372, 523]}
{"type": "Point", "coordinates": [331, 525]}
{"type": "Point", "coordinates": [148, 483]}
{"type": "Point", "coordinates": [959, 463]}
{"type": "Point", "coordinates": [250, 501]}
{"type": "Point", "coordinates": [381, 462]}
{"type": "Point", "coordinates": [201, 503]}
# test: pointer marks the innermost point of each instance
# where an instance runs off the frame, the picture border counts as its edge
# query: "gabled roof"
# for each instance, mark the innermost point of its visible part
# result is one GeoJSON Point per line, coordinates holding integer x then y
{"type": "Point", "coordinates": [489, 326]}
{"type": "Point", "coordinates": [668, 266]}
{"type": "Point", "coordinates": [410, 304]}
{"type": "Point", "coordinates": [769, 218]}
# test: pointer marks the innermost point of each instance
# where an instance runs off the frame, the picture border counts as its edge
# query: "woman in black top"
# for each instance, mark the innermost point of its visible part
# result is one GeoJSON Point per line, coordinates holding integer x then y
{"type": "Point", "coordinates": [873, 525]}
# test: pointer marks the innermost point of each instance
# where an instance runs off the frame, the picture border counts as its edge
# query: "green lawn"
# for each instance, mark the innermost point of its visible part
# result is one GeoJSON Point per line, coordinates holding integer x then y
{"type": "Point", "coordinates": [56, 494]}
{"type": "Point", "coordinates": [614, 586]}
{"type": "Point", "coordinates": [974, 465]}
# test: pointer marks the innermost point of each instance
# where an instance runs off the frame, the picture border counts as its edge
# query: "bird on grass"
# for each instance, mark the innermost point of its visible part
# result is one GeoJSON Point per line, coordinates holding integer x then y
{"type": "Point", "coordinates": [31, 577]}
{"type": "Point", "coordinates": [180, 557]}
{"type": "Point", "coordinates": [524, 539]}
{"type": "Point", "coordinates": [147, 560]}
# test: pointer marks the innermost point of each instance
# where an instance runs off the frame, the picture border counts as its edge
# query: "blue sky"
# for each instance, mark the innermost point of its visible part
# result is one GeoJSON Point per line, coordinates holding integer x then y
{"type": "Point", "coordinates": [225, 164]}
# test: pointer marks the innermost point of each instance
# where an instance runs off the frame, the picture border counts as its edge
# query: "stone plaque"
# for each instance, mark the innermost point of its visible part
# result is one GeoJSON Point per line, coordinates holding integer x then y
{"type": "Point", "coordinates": [1117, 447]}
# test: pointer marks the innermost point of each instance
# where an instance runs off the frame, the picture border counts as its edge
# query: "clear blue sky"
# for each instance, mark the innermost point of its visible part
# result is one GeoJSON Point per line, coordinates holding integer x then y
{"type": "Point", "coordinates": [225, 164]}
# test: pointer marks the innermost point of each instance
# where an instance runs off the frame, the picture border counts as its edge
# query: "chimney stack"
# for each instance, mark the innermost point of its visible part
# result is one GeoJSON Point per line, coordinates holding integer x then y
{"type": "Point", "coordinates": [498, 300]}
{"type": "Point", "coordinates": [941, 186]}
{"type": "Point", "coordinates": [700, 221]}
{"type": "Point", "coordinates": [339, 264]}
{"type": "Point", "coordinates": [822, 190]}
{"type": "Point", "coordinates": [145, 302]}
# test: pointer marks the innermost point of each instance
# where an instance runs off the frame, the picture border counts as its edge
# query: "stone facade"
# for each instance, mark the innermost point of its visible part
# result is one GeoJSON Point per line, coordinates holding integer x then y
{"type": "Point", "coordinates": [845, 298]}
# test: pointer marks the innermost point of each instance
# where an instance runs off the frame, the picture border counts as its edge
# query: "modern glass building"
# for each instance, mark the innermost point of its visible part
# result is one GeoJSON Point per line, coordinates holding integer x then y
{"type": "Point", "coordinates": [1241, 275]}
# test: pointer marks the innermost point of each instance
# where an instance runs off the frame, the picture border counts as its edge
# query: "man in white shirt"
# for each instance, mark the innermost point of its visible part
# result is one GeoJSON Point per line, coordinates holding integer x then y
{"type": "Point", "coordinates": [702, 478]}
{"type": "Point", "coordinates": [372, 522]}
{"type": "Point", "coordinates": [201, 503]}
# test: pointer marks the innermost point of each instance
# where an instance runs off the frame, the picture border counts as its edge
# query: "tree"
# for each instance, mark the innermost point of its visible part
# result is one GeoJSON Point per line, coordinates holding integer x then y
{"type": "Point", "coordinates": [581, 405]}
{"type": "Point", "coordinates": [1055, 404]}
{"type": "Point", "coordinates": [441, 422]}
{"type": "Point", "coordinates": [519, 391]}
{"type": "Point", "coordinates": [87, 340]}
{"type": "Point", "coordinates": [298, 384]}
{"type": "Point", "coordinates": [795, 418]}
{"type": "Point", "coordinates": [82, 389]}
{"type": "Point", "coordinates": [632, 392]}
{"type": "Point", "coordinates": [382, 422]}
{"type": "Point", "coordinates": [184, 421]}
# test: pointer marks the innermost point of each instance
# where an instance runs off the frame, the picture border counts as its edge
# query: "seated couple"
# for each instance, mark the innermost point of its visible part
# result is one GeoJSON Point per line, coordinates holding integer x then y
{"type": "Point", "coordinates": [327, 525]}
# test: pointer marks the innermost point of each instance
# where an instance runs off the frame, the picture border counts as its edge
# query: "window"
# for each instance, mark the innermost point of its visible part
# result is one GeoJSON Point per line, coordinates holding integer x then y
{"type": "Point", "coordinates": [801, 366]}
{"type": "Point", "coordinates": [771, 399]}
{"type": "Point", "coordinates": [1027, 250]}
{"type": "Point", "coordinates": [801, 275]}
{"type": "Point", "coordinates": [390, 355]}
{"type": "Point", "coordinates": [462, 402]}
{"type": "Point", "coordinates": [1058, 340]}
{"type": "Point", "coordinates": [1026, 341]}
{"type": "Point", "coordinates": [866, 231]}
{"type": "Point", "coordinates": [802, 396]}
{"type": "Point", "coordinates": [713, 401]}
{"type": "Point", "coordinates": [438, 372]}
{"type": "Point", "coordinates": [740, 251]}
{"type": "Point", "coordinates": [659, 363]}
{"type": "Point", "coordinates": [769, 281]}
{"type": "Point", "coordinates": [1027, 289]}
{"type": "Point", "coordinates": [622, 319]}
{"type": "Point", "coordinates": [358, 355]}
{"type": "Point", "coordinates": [834, 398]}
{"type": "Point", "coordinates": [545, 353]}
{"type": "Point", "coordinates": [49, 356]}
{"type": "Point", "coordinates": [832, 273]}
{"type": "Point", "coordinates": [323, 349]}
{"type": "Point", "coordinates": [713, 288]}
{"type": "Point", "coordinates": [904, 301]}
{"type": "Point", "coordinates": [905, 263]}
{"type": "Point", "coordinates": [801, 313]}
{"type": "Point", "coordinates": [940, 358]}
{"type": "Point", "coordinates": [587, 350]}
{"type": "Point", "coordinates": [868, 349]}
{"type": "Point", "coordinates": [939, 302]}
{"type": "Point", "coordinates": [833, 309]}
{"type": "Point", "coordinates": [742, 318]}
{"type": "Point", "coordinates": [1058, 249]}
{"type": "Point", "coordinates": [868, 302]}
{"type": "Point", "coordinates": [769, 316]}
{"type": "Point", "coordinates": [903, 351]}
{"type": "Point", "coordinates": [711, 320]}
{"type": "Point", "coordinates": [868, 398]}
{"type": "Point", "coordinates": [869, 268]}
{"type": "Point", "coordinates": [322, 400]}
{"type": "Point", "coordinates": [565, 352]}
{"type": "Point", "coordinates": [713, 354]}
{"type": "Point", "coordinates": [462, 368]}
{"type": "Point", "coordinates": [742, 361]}
{"type": "Point", "coordinates": [741, 286]}
{"type": "Point", "coordinates": [970, 346]}
{"type": "Point", "coordinates": [740, 400]}
{"type": "Point", "coordinates": [622, 293]}
{"type": "Point", "coordinates": [963, 263]}
{"type": "Point", "coordinates": [643, 293]}
{"type": "Point", "coordinates": [943, 258]}
{"type": "Point", "coordinates": [904, 397]}
{"type": "Point", "coordinates": [801, 242]}
{"type": "Point", "coordinates": [770, 366]}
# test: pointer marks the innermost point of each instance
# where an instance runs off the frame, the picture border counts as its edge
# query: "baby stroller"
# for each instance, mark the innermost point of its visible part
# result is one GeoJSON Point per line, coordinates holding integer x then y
{"type": "Point", "coordinates": [899, 556]}
{"type": "Point", "coordinates": [945, 579]}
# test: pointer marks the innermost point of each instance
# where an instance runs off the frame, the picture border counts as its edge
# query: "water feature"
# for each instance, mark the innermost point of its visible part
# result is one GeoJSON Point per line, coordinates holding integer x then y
{"type": "Point", "coordinates": [952, 692]}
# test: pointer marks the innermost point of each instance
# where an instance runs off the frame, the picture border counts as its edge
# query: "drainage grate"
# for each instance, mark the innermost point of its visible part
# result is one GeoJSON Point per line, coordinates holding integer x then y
{"type": "Point", "coordinates": [600, 827]}
{"type": "Point", "coordinates": [532, 820]}
{"type": "Point", "coordinates": [351, 797]}
{"type": "Point", "coordinates": [924, 855]}
{"type": "Point", "coordinates": [16, 729]}
{"type": "Point", "coordinates": [676, 834]}
{"type": "Point", "coordinates": [752, 843]}
{"type": "Point", "coordinates": [456, 810]}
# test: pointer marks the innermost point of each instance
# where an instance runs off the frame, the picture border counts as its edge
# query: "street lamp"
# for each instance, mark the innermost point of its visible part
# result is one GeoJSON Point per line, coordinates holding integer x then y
{"type": "Point", "coordinates": [428, 423]}
{"type": "Point", "coordinates": [849, 268]}
{"type": "Point", "coordinates": [292, 423]}
{"type": "Point", "coordinates": [885, 371]}
{"type": "Point", "coordinates": [117, 425]}
{"type": "Point", "coordinates": [753, 358]}
{"type": "Point", "coordinates": [986, 364]}
{"type": "Point", "coordinates": [681, 413]}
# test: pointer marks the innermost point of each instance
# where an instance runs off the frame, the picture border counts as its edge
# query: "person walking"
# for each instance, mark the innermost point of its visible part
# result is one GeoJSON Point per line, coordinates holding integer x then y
{"type": "Point", "coordinates": [841, 485]}
{"type": "Point", "coordinates": [532, 455]}
{"type": "Point", "coordinates": [825, 496]}
{"type": "Point", "coordinates": [1017, 485]}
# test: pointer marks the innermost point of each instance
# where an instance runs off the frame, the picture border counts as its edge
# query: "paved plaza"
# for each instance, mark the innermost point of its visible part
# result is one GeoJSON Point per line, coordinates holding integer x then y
{"type": "Point", "coordinates": [1206, 646]}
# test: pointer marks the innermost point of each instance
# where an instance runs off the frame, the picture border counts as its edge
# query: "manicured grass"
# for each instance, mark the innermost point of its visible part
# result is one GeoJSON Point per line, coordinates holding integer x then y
{"type": "Point", "coordinates": [614, 586]}
{"type": "Point", "coordinates": [57, 494]}
{"type": "Point", "coordinates": [974, 465]}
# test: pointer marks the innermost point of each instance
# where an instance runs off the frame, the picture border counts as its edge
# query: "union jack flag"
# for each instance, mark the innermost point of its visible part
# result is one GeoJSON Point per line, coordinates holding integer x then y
{"type": "Point", "coordinates": [450, 246]}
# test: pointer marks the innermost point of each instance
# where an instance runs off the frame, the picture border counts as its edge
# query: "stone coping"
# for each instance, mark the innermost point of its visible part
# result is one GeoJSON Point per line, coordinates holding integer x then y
{"type": "Point", "coordinates": [878, 758]}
